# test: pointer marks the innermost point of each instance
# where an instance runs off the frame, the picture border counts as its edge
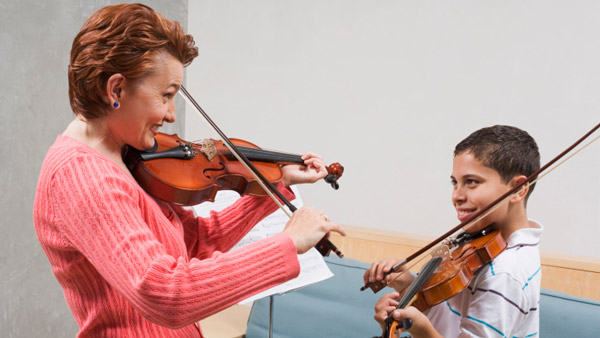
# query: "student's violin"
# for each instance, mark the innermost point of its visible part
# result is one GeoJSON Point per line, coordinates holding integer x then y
{"type": "Point", "coordinates": [447, 274]}
{"type": "Point", "coordinates": [460, 258]}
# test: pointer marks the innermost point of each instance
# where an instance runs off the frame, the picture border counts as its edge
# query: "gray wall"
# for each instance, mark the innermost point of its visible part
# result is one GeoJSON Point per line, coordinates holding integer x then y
{"type": "Point", "coordinates": [35, 42]}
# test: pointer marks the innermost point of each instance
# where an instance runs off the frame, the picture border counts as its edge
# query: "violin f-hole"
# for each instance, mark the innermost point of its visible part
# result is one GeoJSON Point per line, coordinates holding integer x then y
{"type": "Point", "coordinates": [206, 171]}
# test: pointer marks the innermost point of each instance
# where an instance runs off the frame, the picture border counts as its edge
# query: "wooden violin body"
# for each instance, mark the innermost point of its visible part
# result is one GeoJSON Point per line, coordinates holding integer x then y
{"type": "Point", "coordinates": [188, 173]}
{"type": "Point", "coordinates": [455, 272]}
{"type": "Point", "coordinates": [450, 276]}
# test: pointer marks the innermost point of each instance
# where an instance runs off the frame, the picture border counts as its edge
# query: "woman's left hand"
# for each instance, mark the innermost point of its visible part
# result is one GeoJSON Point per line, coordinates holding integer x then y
{"type": "Point", "coordinates": [313, 170]}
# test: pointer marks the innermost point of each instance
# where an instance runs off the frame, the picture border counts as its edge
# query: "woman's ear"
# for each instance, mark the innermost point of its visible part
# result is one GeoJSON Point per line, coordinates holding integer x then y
{"type": "Point", "coordinates": [114, 87]}
{"type": "Point", "coordinates": [521, 193]}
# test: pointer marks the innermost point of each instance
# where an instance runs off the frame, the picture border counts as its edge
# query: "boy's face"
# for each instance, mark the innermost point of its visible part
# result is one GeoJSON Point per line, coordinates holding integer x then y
{"type": "Point", "coordinates": [474, 187]}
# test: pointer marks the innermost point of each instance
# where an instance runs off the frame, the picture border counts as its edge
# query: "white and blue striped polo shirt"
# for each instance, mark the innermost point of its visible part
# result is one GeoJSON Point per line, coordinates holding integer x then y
{"type": "Point", "coordinates": [503, 299]}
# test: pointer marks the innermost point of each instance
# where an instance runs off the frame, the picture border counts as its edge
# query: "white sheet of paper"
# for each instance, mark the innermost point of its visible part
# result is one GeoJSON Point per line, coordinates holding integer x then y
{"type": "Point", "coordinates": [312, 266]}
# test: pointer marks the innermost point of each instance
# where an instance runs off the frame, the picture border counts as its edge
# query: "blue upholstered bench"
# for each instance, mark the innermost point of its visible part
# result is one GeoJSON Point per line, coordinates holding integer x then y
{"type": "Point", "coordinates": [335, 308]}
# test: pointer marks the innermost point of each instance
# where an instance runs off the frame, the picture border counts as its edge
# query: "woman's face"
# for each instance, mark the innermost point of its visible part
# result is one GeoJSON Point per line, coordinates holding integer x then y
{"type": "Point", "coordinates": [146, 103]}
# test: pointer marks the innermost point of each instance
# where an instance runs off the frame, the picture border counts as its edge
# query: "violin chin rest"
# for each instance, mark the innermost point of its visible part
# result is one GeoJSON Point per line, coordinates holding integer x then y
{"type": "Point", "coordinates": [153, 149]}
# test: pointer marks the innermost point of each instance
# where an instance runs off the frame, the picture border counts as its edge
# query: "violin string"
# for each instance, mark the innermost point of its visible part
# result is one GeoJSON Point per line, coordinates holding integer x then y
{"type": "Point", "coordinates": [410, 267]}
{"type": "Point", "coordinates": [268, 151]}
{"type": "Point", "coordinates": [183, 92]}
{"type": "Point", "coordinates": [419, 260]}
{"type": "Point", "coordinates": [267, 155]}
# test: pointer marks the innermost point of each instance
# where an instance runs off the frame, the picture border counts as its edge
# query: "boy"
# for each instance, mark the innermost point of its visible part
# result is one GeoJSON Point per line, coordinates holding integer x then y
{"type": "Point", "coordinates": [502, 300]}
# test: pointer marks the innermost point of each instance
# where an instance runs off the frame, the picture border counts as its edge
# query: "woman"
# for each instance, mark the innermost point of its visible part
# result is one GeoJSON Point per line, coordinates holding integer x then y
{"type": "Point", "coordinates": [130, 265]}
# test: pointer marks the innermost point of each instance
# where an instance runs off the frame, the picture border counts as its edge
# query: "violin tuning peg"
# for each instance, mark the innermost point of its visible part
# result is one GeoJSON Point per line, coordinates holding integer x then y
{"type": "Point", "coordinates": [332, 179]}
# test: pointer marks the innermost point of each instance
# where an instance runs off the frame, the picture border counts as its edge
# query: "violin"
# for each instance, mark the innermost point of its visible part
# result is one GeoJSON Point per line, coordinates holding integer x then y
{"type": "Point", "coordinates": [457, 269]}
{"type": "Point", "coordinates": [447, 274]}
{"type": "Point", "coordinates": [188, 173]}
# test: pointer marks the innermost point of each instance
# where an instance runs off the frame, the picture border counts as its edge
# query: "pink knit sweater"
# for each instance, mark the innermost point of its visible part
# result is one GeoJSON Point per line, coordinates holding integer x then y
{"type": "Point", "coordinates": [131, 266]}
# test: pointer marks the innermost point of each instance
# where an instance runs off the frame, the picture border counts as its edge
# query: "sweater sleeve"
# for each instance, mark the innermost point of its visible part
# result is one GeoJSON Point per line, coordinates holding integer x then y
{"type": "Point", "coordinates": [221, 230]}
{"type": "Point", "coordinates": [102, 212]}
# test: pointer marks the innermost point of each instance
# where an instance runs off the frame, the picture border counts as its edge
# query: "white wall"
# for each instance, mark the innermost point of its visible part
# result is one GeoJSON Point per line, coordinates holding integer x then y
{"type": "Point", "coordinates": [388, 87]}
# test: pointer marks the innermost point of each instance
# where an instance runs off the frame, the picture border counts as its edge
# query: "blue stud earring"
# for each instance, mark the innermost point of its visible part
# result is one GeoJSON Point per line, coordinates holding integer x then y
{"type": "Point", "coordinates": [116, 105]}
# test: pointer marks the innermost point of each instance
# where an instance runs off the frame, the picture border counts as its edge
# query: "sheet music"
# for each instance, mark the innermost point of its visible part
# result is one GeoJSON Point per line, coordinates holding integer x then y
{"type": "Point", "coordinates": [312, 266]}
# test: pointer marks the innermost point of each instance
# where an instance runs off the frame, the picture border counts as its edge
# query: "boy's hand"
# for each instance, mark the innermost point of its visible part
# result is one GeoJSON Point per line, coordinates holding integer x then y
{"type": "Point", "coordinates": [398, 280]}
{"type": "Point", "coordinates": [421, 326]}
{"type": "Point", "coordinates": [384, 306]}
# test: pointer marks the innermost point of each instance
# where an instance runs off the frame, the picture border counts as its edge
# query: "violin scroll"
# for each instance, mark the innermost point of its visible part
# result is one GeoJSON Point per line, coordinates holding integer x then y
{"type": "Point", "coordinates": [335, 171]}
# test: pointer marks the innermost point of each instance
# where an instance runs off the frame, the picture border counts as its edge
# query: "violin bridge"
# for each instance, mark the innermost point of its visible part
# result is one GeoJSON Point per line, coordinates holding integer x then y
{"type": "Point", "coordinates": [207, 147]}
{"type": "Point", "coordinates": [442, 250]}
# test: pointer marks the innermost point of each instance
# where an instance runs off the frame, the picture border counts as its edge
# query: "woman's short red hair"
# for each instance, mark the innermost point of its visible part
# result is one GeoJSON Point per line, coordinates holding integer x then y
{"type": "Point", "coordinates": [120, 39]}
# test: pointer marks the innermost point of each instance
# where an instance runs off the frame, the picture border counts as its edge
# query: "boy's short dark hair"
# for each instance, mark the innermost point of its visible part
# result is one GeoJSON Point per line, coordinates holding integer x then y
{"type": "Point", "coordinates": [508, 150]}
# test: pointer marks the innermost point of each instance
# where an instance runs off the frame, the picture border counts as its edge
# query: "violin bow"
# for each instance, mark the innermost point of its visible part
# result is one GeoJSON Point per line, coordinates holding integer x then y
{"type": "Point", "coordinates": [324, 246]}
{"type": "Point", "coordinates": [378, 285]}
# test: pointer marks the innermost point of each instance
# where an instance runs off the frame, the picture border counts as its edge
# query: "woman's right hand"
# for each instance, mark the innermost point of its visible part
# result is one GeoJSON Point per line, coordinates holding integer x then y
{"type": "Point", "coordinates": [308, 226]}
{"type": "Point", "coordinates": [398, 280]}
